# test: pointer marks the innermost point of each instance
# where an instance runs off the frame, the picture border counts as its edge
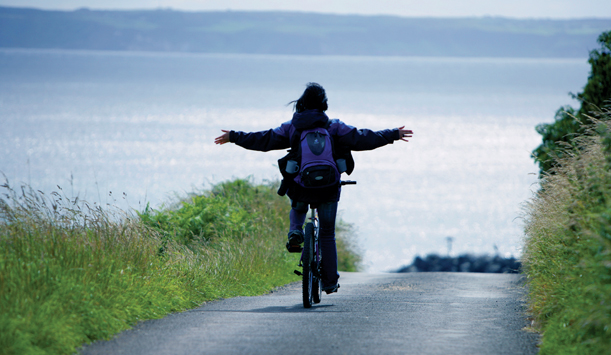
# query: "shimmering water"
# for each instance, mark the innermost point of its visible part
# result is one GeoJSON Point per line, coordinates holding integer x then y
{"type": "Point", "coordinates": [131, 128]}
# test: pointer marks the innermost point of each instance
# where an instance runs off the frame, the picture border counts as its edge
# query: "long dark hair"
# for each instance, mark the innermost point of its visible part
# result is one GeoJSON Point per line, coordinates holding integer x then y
{"type": "Point", "coordinates": [313, 98]}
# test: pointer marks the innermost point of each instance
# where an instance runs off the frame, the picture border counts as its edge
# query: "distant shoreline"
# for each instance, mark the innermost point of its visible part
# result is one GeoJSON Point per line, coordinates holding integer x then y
{"type": "Point", "coordinates": [171, 9]}
{"type": "Point", "coordinates": [297, 33]}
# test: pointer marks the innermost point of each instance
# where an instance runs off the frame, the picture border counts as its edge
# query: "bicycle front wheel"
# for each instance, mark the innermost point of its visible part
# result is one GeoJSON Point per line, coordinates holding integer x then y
{"type": "Point", "coordinates": [307, 257]}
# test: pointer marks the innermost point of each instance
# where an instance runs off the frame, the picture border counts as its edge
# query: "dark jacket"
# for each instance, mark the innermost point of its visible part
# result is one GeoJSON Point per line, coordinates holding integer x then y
{"type": "Point", "coordinates": [345, 139]}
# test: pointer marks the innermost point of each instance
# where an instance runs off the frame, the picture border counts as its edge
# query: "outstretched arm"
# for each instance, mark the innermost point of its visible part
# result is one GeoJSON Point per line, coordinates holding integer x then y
{"type": "Point", "coordinates": [366, 139]}
{"type": "Point", "coordinates": [222, 139]}
{"type": "Point", "coordinates": [405, 133]}
{"type": "Point", "coordinates": [263, 141]}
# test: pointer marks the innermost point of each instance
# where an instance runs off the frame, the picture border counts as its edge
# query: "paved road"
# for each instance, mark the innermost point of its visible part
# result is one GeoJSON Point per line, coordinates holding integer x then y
{"type": "Point", "coordinates": [417, 313]}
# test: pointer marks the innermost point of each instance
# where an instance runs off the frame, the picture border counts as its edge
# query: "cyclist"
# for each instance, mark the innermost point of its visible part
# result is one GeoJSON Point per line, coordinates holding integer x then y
{"type": "Point", "coordinates": [310, 113]}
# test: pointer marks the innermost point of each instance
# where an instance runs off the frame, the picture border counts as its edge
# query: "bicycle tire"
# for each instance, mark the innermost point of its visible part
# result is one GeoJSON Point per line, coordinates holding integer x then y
{"type": "Point", "coordinates": [307, 256]}
{"type": "Point", "coordinates": [317, 286]}
{"type": "Point", "coordinates": [316, 290]}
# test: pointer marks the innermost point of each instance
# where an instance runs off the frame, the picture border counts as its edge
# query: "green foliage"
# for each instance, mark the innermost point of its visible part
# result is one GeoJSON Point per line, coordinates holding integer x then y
{"type": "Point", "coordinates": [231, 208]}
{"type": "Point", "coordinates": [597, 91]}
{"type": "Point", "coordinates": [556, 138]}
{"type": "Point", "coordinates": [567, 256]}
{"type": "Point", "coordinates": [559, 135]}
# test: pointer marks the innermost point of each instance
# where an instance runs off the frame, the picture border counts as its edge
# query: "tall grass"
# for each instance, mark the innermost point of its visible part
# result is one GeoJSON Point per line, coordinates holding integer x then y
{"type": "Point", "coordinates": [72, 272]}
{"type": "Point", "coordinates": [567, 257]}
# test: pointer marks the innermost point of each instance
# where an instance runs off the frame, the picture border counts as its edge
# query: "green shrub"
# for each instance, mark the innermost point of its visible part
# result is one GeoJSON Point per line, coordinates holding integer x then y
{"type": "Point", "coordinates": [231, 209]}
{"type": "Point", "coordinates": [569, 122]}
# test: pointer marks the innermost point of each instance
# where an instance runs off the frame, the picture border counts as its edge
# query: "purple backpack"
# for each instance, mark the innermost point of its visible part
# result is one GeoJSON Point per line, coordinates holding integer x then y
{"type": "Point", "coordinates": [318, 167]}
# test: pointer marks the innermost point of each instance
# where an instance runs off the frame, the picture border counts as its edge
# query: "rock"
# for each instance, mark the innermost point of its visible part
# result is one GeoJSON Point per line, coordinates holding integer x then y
{"type": "Point", "coordinates": [464, 263]}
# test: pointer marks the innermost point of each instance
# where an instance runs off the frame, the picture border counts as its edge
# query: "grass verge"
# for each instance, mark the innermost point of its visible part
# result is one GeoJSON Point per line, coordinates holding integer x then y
{"type": "Point", "coordinates": [567, 256]}
{"type": "Point", "coordinates": [72, 273]}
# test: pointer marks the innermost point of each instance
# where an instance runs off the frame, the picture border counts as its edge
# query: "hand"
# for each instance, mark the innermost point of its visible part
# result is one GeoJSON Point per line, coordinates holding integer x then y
{"type": "Point", "coordinates": [222, 139]}
{"type": "Point", "coordinates": [405, 133]}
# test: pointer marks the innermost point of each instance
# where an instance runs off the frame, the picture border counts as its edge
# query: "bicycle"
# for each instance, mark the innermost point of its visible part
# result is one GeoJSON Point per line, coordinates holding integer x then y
{"type": "Point", "coordinates": [311, 258]}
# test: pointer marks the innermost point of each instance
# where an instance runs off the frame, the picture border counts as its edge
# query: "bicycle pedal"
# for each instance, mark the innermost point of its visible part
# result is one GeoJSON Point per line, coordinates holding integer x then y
{"type": "Point", "coordinates": [294, 248]}
{"type": "Point", "coordinates": [298, 273]}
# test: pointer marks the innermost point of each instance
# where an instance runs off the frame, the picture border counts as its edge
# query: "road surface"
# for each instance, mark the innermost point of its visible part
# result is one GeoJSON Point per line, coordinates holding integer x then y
{"type": "Point", "coordinates": [411, 313]}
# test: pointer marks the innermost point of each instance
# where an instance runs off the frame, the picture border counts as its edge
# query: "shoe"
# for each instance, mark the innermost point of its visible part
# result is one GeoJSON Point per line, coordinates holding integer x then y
{"type": "Point", "coordinates": [331, 289]}
{"type": "Point", "coordinates": [295, 239]}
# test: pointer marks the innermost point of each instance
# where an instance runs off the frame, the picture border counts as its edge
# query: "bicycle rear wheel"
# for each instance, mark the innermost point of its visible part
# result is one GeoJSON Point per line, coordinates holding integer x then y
{"type": "Point", "coordinates": [316, 290]}
{"type": "Point", "coordinates": [307, 257]}
{"type": "Point", "coordinates": [316, 258]}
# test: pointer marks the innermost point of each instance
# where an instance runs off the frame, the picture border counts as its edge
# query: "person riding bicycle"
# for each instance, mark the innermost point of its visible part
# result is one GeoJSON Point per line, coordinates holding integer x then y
{"type": "Point", "coordinates": [310, 113]}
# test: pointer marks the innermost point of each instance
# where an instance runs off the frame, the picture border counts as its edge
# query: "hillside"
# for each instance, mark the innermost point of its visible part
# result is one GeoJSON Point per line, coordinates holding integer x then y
{"type": "Point", "coordinates": [296, 33]}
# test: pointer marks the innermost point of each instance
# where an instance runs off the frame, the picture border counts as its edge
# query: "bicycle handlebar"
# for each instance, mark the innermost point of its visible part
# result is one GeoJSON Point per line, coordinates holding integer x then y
{"type": "Point", "coordinates": [348, 182]}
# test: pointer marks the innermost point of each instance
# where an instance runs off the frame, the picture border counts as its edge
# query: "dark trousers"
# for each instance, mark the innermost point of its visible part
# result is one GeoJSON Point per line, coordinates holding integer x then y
{"type": "Point", "coordinates": [327, 212]}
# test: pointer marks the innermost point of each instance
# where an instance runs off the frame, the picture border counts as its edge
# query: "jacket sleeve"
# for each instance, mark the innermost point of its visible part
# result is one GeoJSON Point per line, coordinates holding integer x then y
{"type": "Point", "coordinates": [364, 139]}
{"type": "Point", "coordinates": [277, 138]}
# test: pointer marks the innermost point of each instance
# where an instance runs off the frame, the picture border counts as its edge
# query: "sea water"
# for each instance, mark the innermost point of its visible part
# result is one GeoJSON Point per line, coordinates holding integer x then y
{"type": "Point", "coordinates": [128, 128]}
